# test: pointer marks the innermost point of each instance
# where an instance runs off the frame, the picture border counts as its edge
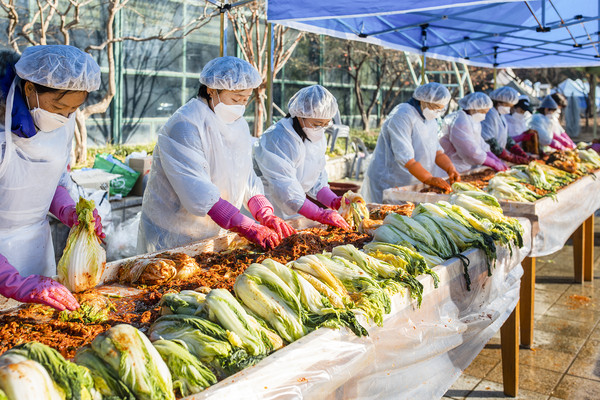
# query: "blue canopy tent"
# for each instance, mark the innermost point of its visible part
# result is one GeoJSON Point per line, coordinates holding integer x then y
{"type": "Point", "coordinates": [518, 34]}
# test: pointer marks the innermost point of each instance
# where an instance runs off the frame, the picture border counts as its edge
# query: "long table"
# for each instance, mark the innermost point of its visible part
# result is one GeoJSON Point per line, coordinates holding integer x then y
{"type": "Point", "coordinates": [553, 220]}
{"type": "Point", "coordinates": [416, 353]}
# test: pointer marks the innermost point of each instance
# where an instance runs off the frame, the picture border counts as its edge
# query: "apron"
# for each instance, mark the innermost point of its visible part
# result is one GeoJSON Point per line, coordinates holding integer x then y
{"type": "Point", "coordinates": [29, 175]}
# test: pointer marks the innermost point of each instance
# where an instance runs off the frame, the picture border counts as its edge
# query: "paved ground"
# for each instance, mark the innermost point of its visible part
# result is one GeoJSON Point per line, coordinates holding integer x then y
{"type": "Point", "coordinates": [564, 362]}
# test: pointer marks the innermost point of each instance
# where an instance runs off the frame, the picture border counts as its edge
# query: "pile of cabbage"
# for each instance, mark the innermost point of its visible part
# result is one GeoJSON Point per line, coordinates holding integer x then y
{"type": "Point", "coordinates": [509, 185]}
{"type": "Point", "coordinates": [202, 337]}
{"type": "Point", "coordinates": [440, 231]}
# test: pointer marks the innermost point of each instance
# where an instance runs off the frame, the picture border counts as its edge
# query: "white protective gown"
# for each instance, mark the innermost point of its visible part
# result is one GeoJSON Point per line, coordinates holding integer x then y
{"type": "Point", "coordinates": [517, 123]}
{"type": "Point", "coordinates": [494, 126]}
{"type": "Point", "coordinates": [197, 159]}
{"type": "Point", "coordinates": [30, 171]}
{"type": "Point", "coordinates": [405, 135]}
{"type": "Point", "coordinates": [463, 142]}
{"type": "Point", "coordinates": [557, 128]}
{"type": "Point", "coordinates": [289, 167]}
{"type": "Point", "coordinates": [543, 126]}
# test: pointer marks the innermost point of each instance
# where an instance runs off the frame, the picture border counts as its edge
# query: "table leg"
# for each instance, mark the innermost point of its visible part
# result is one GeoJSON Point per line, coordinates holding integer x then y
{"type": "Point", "coordinates": [588, 256]}
{"type": "Point", "coordinates": [527, 301]}
{"type": "Point", "coordinates": [509, 338]}
{"type": "Point", "coordinates": [578, 252]}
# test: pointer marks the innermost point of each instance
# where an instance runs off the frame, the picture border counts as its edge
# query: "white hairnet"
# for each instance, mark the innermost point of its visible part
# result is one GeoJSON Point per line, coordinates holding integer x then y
{"type": "Point", "coordinates": [505, 94]}
{"type": "Point", "coordinates": [313, 102]}
{"type": "Point", "coordinates": [549, 102]}
{"type": "Point", "coordinates": [230, 73]}
{"type": "Point", "coordinates": [59, 67]}
{"type": "Point", "coordinates": [476, 101]}
{"type": "Point", "coordinates": [432, 92]}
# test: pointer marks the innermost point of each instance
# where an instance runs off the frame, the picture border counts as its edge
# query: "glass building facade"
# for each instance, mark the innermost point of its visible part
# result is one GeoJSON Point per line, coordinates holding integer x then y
{"type": "Point", "coordinates": [154, 78]}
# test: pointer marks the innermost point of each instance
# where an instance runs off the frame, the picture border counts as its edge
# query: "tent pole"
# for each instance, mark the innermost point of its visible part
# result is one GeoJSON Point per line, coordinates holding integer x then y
{"type": "Point", "coordinates": [495, 78]}
{"type": "Point", "coordinates": [495, 69]}
{"type": "Point", "coordinates": [269, 119]}
{"type": "Point", "coordinates": [222, 33]}
{"type": "Point", "coordinates": [594, 113]}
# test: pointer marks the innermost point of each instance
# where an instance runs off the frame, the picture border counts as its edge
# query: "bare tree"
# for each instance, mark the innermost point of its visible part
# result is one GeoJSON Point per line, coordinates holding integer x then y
{"type": "Point", "coordinates": [53, 21]}
{"type": "Point", "coordinates": [250, 30]}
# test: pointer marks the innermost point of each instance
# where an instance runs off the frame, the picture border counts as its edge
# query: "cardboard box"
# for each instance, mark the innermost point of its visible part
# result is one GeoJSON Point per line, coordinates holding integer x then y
{"type": "Point", "coordinates": [142, 165]}
{"type": "Point", "coordinates": [92, 178]}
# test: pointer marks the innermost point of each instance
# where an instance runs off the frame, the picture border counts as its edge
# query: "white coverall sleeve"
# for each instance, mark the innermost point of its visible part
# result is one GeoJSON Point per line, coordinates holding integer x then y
{"type": "Point", "coordinates": [185, 166]}
{"type": "Point", "coordinates": [468, 144]}
{"type": "Point", "coordinates": [399, 128]}
{"type": "Point", "coordinates": [255, 187]}
{"type": "Point", "coordinates": [489, 126]}
{"type": "Point", "coordinates": [275, 159]}
{"type": "Point", "coordinates": [322, 182]}
{"type": "Point", "coordinates": [539, 123]}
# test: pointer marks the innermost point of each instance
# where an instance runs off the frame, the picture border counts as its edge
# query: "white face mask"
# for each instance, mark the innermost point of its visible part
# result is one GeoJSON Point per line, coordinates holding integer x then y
{"type": "Point", "coordinates": [228, 113]}
{"type": "Point", "coordinates": [518, 116]}
{"type": "Point", "coordinates": [44, 120]}
{"type": "Point", "coordinates": [503, 110]}
{"type": "Point", "coordinates": [314, 134]}
{"type": "Point", "coordinates": [556, 114]}
{"type": "Point", "coordinates": [478, 117]}
{"type": "Point", "coordinates": [430, 114]}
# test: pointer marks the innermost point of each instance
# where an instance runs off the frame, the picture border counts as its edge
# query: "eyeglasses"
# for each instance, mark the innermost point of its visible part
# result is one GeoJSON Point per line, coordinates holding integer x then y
{"type": "Point", "coordinates": [318, 124]}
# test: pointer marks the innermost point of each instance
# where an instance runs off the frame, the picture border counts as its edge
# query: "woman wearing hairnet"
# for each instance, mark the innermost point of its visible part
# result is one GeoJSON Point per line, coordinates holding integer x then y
{"type": "Point", "coordinates": [408, 147]}
{"type": "Point", "coordinates": [518, 118]}
{"type": "Point", "coordinates": [202, 168]}
{"type": "Point", "coordinates": [494, 128]}
{"type": "Point", "coordinates": [558, 132]}
{"type": "Point", "coordinates": [290, 158]}
{"type": "Point", "coordinates": [463, 142]}
{"type": "Point", "coordinates": [50, 84]}
{"type": "Point", "coordinates": [542, 122]}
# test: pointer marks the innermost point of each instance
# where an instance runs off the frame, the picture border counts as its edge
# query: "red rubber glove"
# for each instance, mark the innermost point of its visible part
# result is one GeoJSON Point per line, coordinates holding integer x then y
{"type": "Point", "coordinates": [262, 210]}
{"type": "Point", "coordinates": [227, 216]}
{"type": "Point", "coordinates": [524, 136]}
{"type": "Point", "coordinates": [330, 217]}
{"type": "Point", "coordinates": [505, 155]}
{"type": "Point", "coordinates": [516, 149]}
{"type": "Point", "coordinates": [494, 162]}
{"type": "Point", "coordinates": [330, 199]}
{"type": "Point", "coordinates": [34, 288]}
{"type": "Point", "coordinates": [63, 207]}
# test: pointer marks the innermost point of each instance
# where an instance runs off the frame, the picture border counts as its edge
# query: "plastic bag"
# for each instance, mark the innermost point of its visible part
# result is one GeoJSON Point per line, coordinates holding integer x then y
{"type": "Point", "coordinates": [122, 241]}
{"type": "Point", "coordinates": [125, 183]}
{"type": "Point", "coordinates": [82, 263]}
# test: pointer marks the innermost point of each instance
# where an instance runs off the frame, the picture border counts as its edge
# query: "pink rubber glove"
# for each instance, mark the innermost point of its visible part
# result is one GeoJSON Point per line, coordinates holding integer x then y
{"type": "Point", "coordinates": [555, 144]}
{"type": "Point", "coordinates": [330, 217]}
{"type": "Point", "coordinates": [227, 216]}
{"type": "Point", "coordinates": [34, 288]}
{"type": "Point", "coordinates": [566, 140]}
{"type": "Point", "coordinates": [262, 211]}
{"type": "Point", "coordinates": [494, 162]}
{"type": "Point", "coordinates": [329, 199]}
{"type": "Point", "coordinates": [63, 207]}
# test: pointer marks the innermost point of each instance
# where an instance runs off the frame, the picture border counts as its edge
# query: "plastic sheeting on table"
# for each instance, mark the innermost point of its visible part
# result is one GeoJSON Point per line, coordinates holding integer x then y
{"type": "Point", "coordinates": [559, 218]}
{"type": "Point", "coordinates": [416, 354]}
{"type": "Point", "coordinates": [553, 219]}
